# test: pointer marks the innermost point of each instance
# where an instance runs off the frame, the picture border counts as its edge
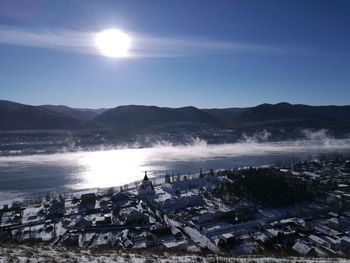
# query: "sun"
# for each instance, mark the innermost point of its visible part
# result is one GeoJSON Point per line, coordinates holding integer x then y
{"type": "Point", "coordinates": [113, 43]}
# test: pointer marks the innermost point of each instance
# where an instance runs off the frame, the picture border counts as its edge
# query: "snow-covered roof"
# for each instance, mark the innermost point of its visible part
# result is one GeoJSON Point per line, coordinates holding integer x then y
{"type": "Point", "coordinates": [333, 220]}
{"type": "Point", "coordinates": [301, 248]}
{"type": "Point", "coordinates": [170, 242]}
{"type": "Point", "coordinates": [272, 232]}
{"type": "Point", "coordinates": [260, 236]}
{"type": "Point", "coordinates": [346, 240]}
{"type": "Point", "coordinates": [317, 239]}
{"type": "Point", "coordinates": [312, 175]}
{"type": "Point", "coordinates": [31, 214]}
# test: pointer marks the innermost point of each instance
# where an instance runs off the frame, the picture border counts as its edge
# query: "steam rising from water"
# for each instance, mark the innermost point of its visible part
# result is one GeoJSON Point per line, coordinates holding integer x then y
{"type": "Point", "coordinates": [121, 166]}
{"type": "Point", "coordinates": [199, 149]}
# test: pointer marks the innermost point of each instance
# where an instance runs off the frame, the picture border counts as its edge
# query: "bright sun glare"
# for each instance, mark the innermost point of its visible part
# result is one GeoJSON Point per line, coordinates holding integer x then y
{"type": "Point", "coordinates": [113, 43]}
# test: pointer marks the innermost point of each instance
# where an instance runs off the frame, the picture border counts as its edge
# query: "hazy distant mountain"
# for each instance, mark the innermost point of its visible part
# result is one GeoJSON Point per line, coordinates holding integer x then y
{"type": "Point", "coordinates": [16, 116]}
{"type": "Point", "coordinates": [133, 118]}
{"type": "Point", "coordinates": [6, 105]}
{"type": "Point", "coordinates": [285, 114]}
{"type": "Point", "coordinates": [227, 115]}
{"type": "Point", "coordinates": [79, 114]}
{"type": "Point", "coordinates": [265, 116]}
{"type": "Point", "coordinates": [96, 111]}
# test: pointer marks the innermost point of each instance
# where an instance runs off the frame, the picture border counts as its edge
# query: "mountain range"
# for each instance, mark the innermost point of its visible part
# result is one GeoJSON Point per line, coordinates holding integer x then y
{"type": "Point", "coordinates": [138, 118]}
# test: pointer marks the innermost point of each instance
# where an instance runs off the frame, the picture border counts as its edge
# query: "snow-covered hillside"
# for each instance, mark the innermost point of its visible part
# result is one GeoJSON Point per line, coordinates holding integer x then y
{"type": "Point", "coordinates": [36, 254]}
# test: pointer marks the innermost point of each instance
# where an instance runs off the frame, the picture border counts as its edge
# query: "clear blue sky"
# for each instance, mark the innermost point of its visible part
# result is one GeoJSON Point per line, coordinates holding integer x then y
{"type": "Point", "coordinates": [294, 51]}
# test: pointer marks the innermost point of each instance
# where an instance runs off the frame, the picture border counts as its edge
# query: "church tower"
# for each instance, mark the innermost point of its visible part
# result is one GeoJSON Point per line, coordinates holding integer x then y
{"type": "Point", "coordinates": [146, 188]}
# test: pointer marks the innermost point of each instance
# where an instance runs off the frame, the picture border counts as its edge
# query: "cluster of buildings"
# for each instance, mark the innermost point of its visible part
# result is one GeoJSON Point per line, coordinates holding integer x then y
{"type": "Point", "coordinates": [183, 213]}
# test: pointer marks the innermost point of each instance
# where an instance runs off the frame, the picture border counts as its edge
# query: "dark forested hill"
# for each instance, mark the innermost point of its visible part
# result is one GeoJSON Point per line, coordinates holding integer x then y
{"type": "Point", "coordinates": [285, 114]}
{"type": "Point", "coordinates": [137, 118]}
{"type": "Point", "coordinates": [15, 116]}
{"type": "Point", "coordinates": [78, 114]}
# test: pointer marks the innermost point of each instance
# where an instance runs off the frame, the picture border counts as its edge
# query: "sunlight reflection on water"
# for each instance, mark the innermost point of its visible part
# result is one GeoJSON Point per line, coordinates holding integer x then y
{"type": "Point", "coordinates": [82, 170]}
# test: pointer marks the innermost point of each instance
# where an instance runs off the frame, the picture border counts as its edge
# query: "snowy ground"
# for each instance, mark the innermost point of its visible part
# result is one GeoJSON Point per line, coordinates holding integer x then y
{"type": "Point", "coordinates": [48, 254]}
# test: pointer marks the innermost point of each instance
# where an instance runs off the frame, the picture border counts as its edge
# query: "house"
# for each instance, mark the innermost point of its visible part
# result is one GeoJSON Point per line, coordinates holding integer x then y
{"type": "Point", "coordinates": [317, 240]}
{"type": "Point", "coordinates": [32, 214]}
{"type": "Point", "coordinates": [341, 223]}
{"type": "Point", "coordinates": [346, 198]}
{"type": "Point", "coordinates": [104, 240]}
{"type": "Point", "coordinates": [312, 176]}
{"type": "Point", "coordinates": [334, 242]}
{"type": "Point", "coordinates": [88, 199]}
{"type": "Point", "coordinates": [271, 232]}
{"type": "Point", "coordinates": [327, 231]}
{"type": "Point", "coordinates": [56, 209]}
{"type": "Point", "coordinates": [345, 244]}
{"type": "Point", "coordinates": [10, 218]}
{"type": "Point", "coordinates": [225, 241]}
{"type": "Point", "coordinates": [70, 239]}
{"type": "Point", "coordinates": [293, 222]}
{"type": "Point", "coordinates": [83, 222]}
{"type": "Point", "coordinates": [86, 238]}
{"type": "Point", "coordinates": [228, 237]}
{"type": "Point", "coordinates": [131, 216]}
{"type": "Point", "coordinates": [343, 187]}
{"type": "Point", "coordinates": [204, 217]}
{"type": "Point", "coordinates": [120, 197]}
{"type": "Point", "coordinates": [176, 233]}
{"type": "Point", "coordinates": [260, 237]}
{"type": "Point", "coordinates": [333, 223]}
{"type": "Point", "coordinates": [169, 242]}
{"type": "Point", "coordinates": [302, 249]}
{"type": "Point", "coordinates": [144, 240]}
{"type": "Point", "coordinates": [105, 219]}
{"type": "Point", "coordinates": [174, 204]}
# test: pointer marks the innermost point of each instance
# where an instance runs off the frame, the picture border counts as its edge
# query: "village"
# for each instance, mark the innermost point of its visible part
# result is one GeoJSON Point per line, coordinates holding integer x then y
{"type": "Point", "coordinates": [193, 213]}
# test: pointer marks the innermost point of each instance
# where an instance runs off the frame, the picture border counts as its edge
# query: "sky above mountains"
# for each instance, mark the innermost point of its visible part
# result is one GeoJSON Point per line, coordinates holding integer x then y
{"type": "Point", "coordinates": [201, 53]}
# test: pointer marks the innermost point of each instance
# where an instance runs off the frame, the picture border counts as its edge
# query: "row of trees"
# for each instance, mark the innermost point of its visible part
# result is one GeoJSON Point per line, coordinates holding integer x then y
{"type": "Point", "coordinates": [266, 186]}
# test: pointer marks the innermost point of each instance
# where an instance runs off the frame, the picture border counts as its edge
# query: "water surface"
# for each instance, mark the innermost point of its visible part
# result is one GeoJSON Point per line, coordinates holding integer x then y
{"type": "Point", "coordinates": [80, 170]}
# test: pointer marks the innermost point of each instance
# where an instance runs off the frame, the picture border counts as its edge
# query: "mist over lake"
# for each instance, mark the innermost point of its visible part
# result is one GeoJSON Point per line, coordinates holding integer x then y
{"type": "Point", "coordinates": [21, 175]}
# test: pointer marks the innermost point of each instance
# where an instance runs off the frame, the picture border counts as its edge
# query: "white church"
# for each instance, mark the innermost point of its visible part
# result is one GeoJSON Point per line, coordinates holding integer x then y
{"type": "Point", "coordinates": [146, 188]}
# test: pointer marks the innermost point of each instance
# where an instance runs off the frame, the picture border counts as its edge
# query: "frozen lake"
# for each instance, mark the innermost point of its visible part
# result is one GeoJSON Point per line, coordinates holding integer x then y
{"type": "Point", "coordinates": [21, 175]}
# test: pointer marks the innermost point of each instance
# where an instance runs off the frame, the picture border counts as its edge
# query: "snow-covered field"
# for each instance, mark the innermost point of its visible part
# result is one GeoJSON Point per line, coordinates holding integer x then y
{"type": "Point", "coordinates": [45, 254]}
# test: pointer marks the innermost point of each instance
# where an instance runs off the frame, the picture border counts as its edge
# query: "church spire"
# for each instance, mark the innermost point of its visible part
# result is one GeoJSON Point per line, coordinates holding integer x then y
{"type": "Point", "coordinates": [146, 177]}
